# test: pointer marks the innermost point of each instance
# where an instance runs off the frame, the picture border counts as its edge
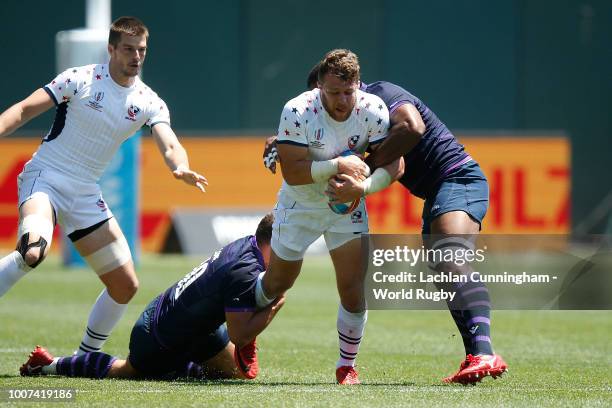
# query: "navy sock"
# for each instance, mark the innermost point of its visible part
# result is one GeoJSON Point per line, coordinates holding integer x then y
{"type": "Point", "coordinates": [88, 365]}
{"type": "Point", "coordinates": [191, 370]}
{"type": "Point", "coordinates": [476, 317]}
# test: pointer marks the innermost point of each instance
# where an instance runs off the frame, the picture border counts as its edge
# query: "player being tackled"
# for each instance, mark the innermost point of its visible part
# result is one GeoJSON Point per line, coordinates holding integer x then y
{"type": "Point", "coordinates": [203, 326]}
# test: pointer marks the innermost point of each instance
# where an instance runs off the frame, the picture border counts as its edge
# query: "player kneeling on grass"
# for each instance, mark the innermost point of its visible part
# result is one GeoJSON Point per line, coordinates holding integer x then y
{"type": "Point", "coordinates": [182, 332]}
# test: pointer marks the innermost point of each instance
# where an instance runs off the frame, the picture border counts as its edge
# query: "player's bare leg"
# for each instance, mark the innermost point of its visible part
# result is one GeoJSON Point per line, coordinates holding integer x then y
{"type": "Point", "coordinates": [280, 276]}
{"type": "Point", "coordinates": [472, 322]}
{"type": "Point", "coordinates": [454, 222]}
{"type": "Point", "coordinates": [222, 365]}
{"type": "Point", "coordinates": [122, 369]}
{"type": "Point", "coordinates": [36, 223]}
{"type": "Point", "coordinates": [352, 314]}
{"type": "Point", "coordinates": [106, 250]}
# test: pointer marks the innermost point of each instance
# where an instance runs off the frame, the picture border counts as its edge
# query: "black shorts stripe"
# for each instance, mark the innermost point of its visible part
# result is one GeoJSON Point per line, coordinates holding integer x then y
{"type": "Point", "coordinates": [78, 234]}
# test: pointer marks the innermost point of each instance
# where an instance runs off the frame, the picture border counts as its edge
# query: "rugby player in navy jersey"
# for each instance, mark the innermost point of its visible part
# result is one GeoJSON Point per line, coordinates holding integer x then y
{"type": "Point", "coordinates": [203, 326]}
{"type": "Point", "coordinates": [456, 194]}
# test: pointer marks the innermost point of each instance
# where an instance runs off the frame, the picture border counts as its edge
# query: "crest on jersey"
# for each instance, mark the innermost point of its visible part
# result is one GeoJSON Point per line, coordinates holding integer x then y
{"type": "Point", "coordinates": [133, 110]}
{"type": "Point", "coordinates": [352, 142]}
{"type": "Point", "coordinates": [98, 96]}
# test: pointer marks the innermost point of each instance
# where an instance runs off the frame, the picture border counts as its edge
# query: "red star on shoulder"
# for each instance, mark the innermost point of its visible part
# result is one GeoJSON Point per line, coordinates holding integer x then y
{"type": "Point", "coordinates": [286, 132]}
{"type": "Point", "coordinates": [98, 76]}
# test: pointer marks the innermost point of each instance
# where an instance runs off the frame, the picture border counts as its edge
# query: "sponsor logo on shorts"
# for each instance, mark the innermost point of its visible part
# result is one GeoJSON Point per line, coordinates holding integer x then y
{"type": "Point", "coordinates": [100, 203]}
{"type": "Point", "coordinates": [94, 102]}
{"type": "Point", "coordinates": [352, 142]}
{"type": "Point", "coordinates": [357, 217]}
{"type": "Point", "coordinates": [133, 111]}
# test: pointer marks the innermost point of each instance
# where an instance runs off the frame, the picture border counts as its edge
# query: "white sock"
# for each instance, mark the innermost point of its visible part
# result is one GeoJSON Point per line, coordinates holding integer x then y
{"type": "Point", "coordinates": [103, 318]}
{"type": "Point", "coordinates": [350, 330]}
{"type": "Point", "coordinates": [12, 268]}
{"type": "Point", "coordinates": [260, 297]}
{"type": "Point", "coordinates": [50, 369]}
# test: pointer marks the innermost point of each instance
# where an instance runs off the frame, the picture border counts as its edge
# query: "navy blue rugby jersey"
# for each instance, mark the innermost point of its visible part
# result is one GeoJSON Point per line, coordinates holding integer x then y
{"type": "Point", "coordinates": [195, 306]}
{"type": "Point", "coordinates": [436, 156]}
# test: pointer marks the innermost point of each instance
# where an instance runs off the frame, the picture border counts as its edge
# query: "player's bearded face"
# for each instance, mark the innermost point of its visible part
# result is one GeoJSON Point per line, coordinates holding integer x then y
{"type": "Point", "coordinates": [129, 54]}
{"type": "Point", "coordinates": [338, 96]}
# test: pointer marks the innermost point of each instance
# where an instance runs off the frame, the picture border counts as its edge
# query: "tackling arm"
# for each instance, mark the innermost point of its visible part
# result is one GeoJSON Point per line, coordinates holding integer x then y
{"type": "Point", "coordinates": [175, 156]}
{"type": "Point", "coordinates": [22, 112]}
{"type": "Point", "coordinates": [243, 327]}
{"type": "Point", "coordinates": [407, 128]}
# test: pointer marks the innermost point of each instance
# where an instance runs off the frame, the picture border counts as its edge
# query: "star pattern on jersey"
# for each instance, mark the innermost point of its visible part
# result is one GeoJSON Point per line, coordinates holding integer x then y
{"type": "Point", "coordinates": [315, 110]}
{"type": "Point", "coordinates": [294, 110]}
{"type": "Point", "coordinates": [367, 105]}
{"type": "Point", "coordinates": [74, 71]}
{"type": "Point", "coordinates": [75, 92]}
{"type": "Point", "coordinates": [379, 121]}
{"type": "Point", "coordinates": [287, 133]}
{"type": "Point", "coordinates": [64, 98]}
{"type": "Point", "coordinates": [297, 124]}
{"type": "Point", "coordinates": [98, 76]}
{"type": "Point", "coordinates": [380, 107]}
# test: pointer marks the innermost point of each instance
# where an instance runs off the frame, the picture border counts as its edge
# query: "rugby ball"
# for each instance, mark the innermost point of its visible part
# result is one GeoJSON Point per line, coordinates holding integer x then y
{"type": "Point", "coordinates": [344, 208]}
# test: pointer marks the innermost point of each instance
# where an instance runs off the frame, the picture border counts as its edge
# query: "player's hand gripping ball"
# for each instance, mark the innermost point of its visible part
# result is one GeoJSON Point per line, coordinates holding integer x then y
{"type": "Point", "coordinates": [345, 208]}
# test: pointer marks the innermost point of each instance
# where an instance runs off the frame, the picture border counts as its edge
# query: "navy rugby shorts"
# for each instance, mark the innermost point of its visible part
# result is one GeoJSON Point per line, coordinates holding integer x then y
{"type": "Point", "coordinates": [152, 360]}
{"type": "Point", "coordinates": [465, 190]}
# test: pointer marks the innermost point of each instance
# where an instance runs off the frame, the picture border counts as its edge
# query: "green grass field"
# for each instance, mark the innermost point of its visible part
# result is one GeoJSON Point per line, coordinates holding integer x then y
{"type": "Point", "coordinates": [556, 358]}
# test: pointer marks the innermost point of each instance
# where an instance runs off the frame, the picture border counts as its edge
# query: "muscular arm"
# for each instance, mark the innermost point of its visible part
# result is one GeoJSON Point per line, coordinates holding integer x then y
{"type": "Point", "coordinates": [407, 128]}
{"type": "Point", "coordinates": [22, 112]}
{"type": "Point", "coordinates": [243, 327]}
{"type": "Point", "coordinates": [297, 168]}
{"type": "Point", "coordinates": [175, 156]}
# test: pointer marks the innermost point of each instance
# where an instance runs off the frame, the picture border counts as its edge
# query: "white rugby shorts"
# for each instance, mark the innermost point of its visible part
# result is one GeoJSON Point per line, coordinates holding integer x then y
{"type": "Point", "coordinates": [296, 227]}
{"type": "Point", "coordinates": [77, 205]}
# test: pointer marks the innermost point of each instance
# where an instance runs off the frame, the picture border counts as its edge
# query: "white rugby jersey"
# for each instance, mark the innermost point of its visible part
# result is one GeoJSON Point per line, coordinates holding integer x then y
{"type": "Point", "coordinates": [305, 122]}
{"type": "Point", "coordinates": [94, 115]}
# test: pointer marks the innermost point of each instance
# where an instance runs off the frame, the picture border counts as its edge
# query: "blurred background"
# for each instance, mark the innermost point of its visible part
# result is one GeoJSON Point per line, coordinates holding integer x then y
{"type": "Point", "coordinates": [525, 85]}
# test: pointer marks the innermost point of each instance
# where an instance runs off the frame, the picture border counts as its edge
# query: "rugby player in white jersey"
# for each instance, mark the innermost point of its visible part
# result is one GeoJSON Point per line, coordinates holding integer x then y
{"type": "Point", "coordinates": [315, 128]}
{"type": "Point", "coordinates": [97, 108]}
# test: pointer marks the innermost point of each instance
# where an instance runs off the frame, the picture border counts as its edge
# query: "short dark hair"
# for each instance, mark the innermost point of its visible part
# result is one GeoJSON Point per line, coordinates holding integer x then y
{"type": "Point", "coordinates": [126, 25]}
{"type": "Point", "coordinates": [313, 77]}
{"type": "Point", "coordinates": [263, 235]}
{"type": "Point", "coordinates": [341, 63]}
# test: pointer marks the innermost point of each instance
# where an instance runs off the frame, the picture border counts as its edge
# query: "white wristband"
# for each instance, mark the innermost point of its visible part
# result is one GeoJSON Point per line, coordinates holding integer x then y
{"type": "Point", "coordinates": [379, 180]}
{"type": "Point", "coordinates": [323, 170]}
